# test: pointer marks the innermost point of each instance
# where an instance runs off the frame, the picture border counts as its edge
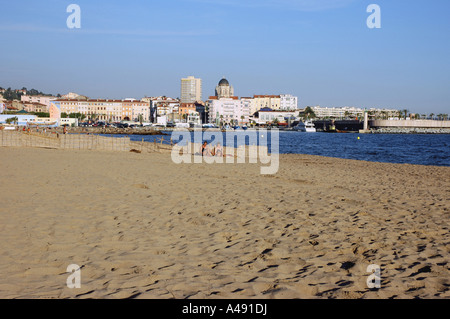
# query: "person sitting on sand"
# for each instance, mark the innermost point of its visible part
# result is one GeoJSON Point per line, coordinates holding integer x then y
{"type": "Point", "coordinates": [207, 150]}
{"type": "Point", "coordinates": [203, 149]}
{"type": "Point", "coordinates": [218, 150]}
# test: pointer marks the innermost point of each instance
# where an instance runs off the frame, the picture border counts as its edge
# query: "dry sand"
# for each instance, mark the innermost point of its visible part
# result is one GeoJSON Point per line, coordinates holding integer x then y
{"type": "Point", "coordinates": [141, 226]}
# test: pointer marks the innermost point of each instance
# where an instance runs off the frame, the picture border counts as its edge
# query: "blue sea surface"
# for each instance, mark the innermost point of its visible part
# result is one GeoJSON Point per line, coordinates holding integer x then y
{"type": "Point", "coordinates": [421, 149]}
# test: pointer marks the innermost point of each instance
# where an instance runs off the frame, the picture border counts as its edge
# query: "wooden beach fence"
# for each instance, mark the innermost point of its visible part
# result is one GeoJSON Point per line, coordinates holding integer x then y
{"type": "Point", "coordinates": [104, 143]}
{"type": "Point", "coordinates": [65, 141]}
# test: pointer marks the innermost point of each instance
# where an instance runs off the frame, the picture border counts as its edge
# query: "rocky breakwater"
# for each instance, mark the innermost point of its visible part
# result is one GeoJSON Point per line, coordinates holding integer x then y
{"type": "Point", "coordinates": [114, 130]}
{"type": "Point", "coordinates": [410, 130]}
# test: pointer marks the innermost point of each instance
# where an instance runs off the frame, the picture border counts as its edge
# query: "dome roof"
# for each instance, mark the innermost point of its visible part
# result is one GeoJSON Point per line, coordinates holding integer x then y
{"type": "Point", "coordinates": [224, 82]}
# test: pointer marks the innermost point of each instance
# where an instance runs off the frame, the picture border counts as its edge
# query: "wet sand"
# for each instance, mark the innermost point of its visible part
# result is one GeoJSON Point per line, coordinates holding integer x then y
{"type": "Point", "coordinates": [141, 226]}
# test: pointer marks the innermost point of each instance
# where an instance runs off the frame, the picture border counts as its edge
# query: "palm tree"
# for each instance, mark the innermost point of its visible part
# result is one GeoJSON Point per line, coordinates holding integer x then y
{"type": "Point", "coordinates": [275, 121]}
{"type": "Point", "coordinates": [431, 115]}
{"type": "Point", "coordinates": [309, 112]}
{"type": "Point", "coordinates": [93, 117]}
{"type": "Point", "coordinates": [346, 114]}
{"type": "Point", "coordinates": [405, 112]}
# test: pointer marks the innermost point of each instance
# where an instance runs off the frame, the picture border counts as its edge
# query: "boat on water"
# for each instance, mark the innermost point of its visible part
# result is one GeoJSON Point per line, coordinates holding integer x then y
{"type": "Point", "coordinates": [307, 126]}
{"type": "Point", "coordinates": [36, 124]}
{"type": "Point", "coordinates": [8, 127]}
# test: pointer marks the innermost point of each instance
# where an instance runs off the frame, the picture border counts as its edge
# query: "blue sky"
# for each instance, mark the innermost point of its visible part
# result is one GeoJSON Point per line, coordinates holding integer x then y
{"type": "Point", "coordinates": [321, 51]}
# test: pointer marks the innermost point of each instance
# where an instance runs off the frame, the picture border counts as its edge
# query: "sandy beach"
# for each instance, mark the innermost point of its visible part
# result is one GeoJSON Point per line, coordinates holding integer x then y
{"type": "Point", "coordinates": [141, 226]}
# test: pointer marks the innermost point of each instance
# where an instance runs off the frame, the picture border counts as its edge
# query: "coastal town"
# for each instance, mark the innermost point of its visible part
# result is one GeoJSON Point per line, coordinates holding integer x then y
{"type": "Point", "coordinates": [223, 109]}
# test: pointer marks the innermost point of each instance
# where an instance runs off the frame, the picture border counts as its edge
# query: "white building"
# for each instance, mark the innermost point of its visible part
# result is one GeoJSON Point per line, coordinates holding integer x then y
{"type": "Point", "coordinates": [251, 104]}
{"type": "Point", "coordinates": [288, 102]}
{"type": "Point", "coordinates": [194, 118]}
{"type": "Point", "coordinates": [68, 121]}
{"type": "Point", "coordinates": [337, 112]}
{"type": "Point", "coordinates": [191, 90]}
{"type": "Point", "coordinates": [228, 111]}
{"type": "Point", "coordinates": [353, 112]}
{"type": "Point", "coordinates": [266, 116]}
{"type": "Point", "coordinates": [162, 105]}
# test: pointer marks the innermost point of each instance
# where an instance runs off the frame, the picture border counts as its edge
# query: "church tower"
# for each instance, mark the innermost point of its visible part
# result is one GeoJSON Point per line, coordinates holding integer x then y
{"type": "Point", "coordinates": [224, 89]}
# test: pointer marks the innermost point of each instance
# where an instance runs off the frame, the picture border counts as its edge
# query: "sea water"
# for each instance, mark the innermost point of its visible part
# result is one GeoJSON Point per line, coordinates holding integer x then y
{"type": "Point", "coordinates": [422, 149]}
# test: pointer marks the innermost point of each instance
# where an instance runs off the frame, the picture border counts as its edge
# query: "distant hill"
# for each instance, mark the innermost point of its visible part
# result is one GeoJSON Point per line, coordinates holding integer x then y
{"type": "Point", "coordinates": [10, 94]}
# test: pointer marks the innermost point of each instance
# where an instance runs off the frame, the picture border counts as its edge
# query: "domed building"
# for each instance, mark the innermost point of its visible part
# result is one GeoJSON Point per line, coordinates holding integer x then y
{"type": "Point", "coordinates": [224, 89]}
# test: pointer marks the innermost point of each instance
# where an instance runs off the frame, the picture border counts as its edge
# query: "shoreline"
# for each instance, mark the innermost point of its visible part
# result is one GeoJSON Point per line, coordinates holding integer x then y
{"type": "Point", "coordinates": [124, 143]}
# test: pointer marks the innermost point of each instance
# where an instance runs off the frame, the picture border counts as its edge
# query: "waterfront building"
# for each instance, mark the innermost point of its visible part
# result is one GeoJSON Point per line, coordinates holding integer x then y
{"type": "Point", "coordinates": [113, 111]}
{"type": "Point", "coordinates": [267, 101]}
{"type": "Point", "coordinates": [68, 121]}
{"type": "Point", "coordinates": [250, 101]}
{"type": "Point", "coordinates": [337, 112]}
{"type": "Point", "coordinates": [288, 102]}
{"type": "Point", "coordinates": [140, 110]}
{"type": "Point", "coordinates": [42, 99]}
{"type": "Point", "coordinates": [193, 117]}
{"type": "Point", "coordinates": [32, 107]}
{"type": "Point", "coordinates": [22, 120]}
{"type": "Point", "coordinates": [228, 110]}
{"type": "Point", "coordinates": [191, 90]}
{"type": "Point", "coordinates": [161, 106]}
{"type": "Point", "coordinates": [69, 106]}
{"type": "Point", "coordinates": [185, 109]}
{"type": "Point", "coordinates": [267, 116]}
{"type": "Point", "coordinates": [352, 112]}
{"type": "Point", "coordinates": [102, 110]}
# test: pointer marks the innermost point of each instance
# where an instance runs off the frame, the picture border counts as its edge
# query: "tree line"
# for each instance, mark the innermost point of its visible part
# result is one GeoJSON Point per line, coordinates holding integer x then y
{"type": "Point", "coordinates": [10, 94]}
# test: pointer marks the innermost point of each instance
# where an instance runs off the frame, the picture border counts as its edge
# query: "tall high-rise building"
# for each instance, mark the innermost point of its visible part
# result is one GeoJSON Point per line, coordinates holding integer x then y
{"type": "Point", "coordinates": [191, 90]}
